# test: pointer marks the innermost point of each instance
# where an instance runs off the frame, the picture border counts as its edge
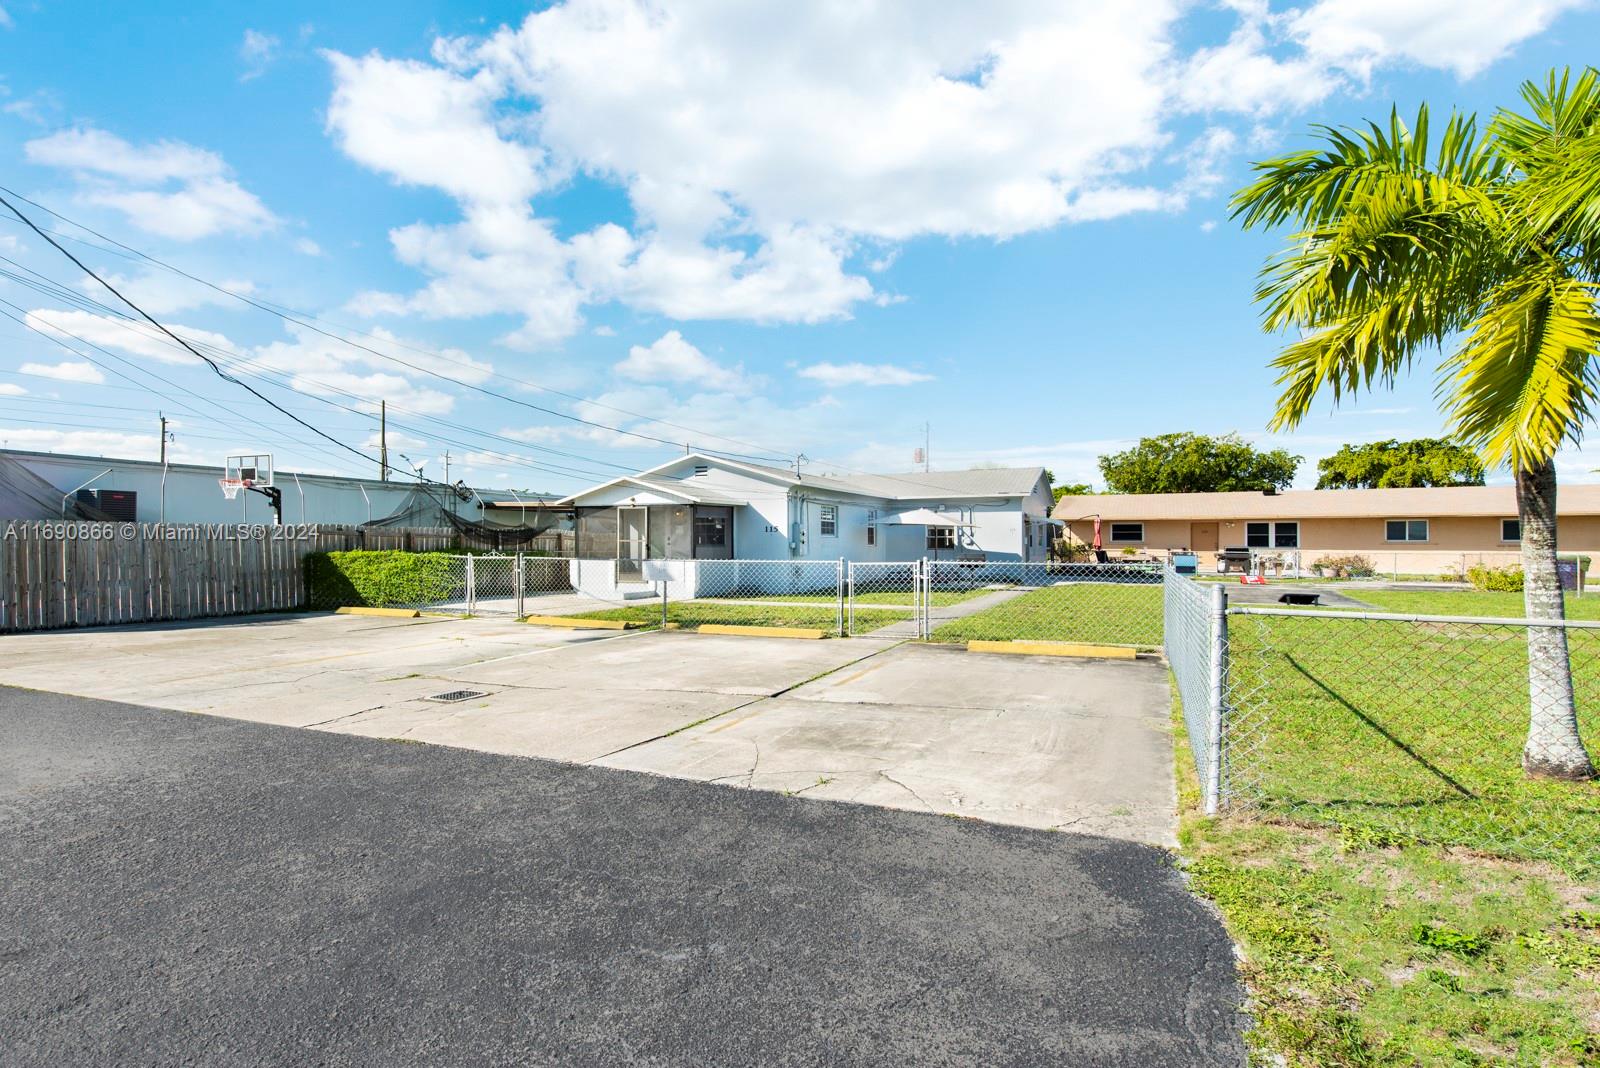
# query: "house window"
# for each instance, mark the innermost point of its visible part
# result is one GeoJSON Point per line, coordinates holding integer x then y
{"type": "Point", "coordinates": [872, 526]}
{"type": "Point", "coordinates": [710, 530]}
{"type": "Point", "coordinates": [828, 525]}
{"type": "Point", "coordinates": [1406, 530]}
{"type": "Point", "coordinates": [1127, 532]}
{"type": "Point", "coordinates": [1510, 530]}
{"type": "Point", "coordinates": [1284, 535]}
{"type": "Point", "coordinates": [941, 537]}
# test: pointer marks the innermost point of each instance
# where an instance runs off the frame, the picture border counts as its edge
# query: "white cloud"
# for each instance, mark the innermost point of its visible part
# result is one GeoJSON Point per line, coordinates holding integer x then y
{"type": "Point", "coordinates": [131, 336]}
{"type": "Point", "coordinates": [834, 375]}
{"type": "Point", "coordinates": [307, 247]}
{"type": "Point", "coordinates": [166, 187]}
{"type": "Point", "coordinates": [257, 52]}
{"type": "Point", "coordinates": [93, 443]}
{"type": "Point", "coordinates": [163, 293]}
{"type": "Point", "coordinates": [313, 363]}
{"type": "Point", "coordinates": [672, 359]}
{"type": "Point", "coordinates": [5, 19]}
{"type": "Point", "coordinates": [1462, 36]}
{"type": "Point", "coordinates": [11, 389]}
{"type": "Point", "coordinates": [1285, 62]}
{"type": "Point", "coordinates": [765, 156]}
{"type": "Point", "coordinates": [425, 125]}
{"type": "Point", "coordinates": [68, 371]}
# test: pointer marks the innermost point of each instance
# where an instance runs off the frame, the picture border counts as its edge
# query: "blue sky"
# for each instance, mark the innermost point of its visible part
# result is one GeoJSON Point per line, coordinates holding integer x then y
{"type": "Point", "coordinates": [758, 228]}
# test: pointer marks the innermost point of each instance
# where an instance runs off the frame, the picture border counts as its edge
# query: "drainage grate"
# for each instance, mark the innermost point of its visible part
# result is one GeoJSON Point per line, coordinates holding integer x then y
{"type": "Point", "coordinates": [457, 695]}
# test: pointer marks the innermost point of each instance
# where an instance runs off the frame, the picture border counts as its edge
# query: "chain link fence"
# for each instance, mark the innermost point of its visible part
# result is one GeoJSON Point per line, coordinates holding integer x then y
{"type": "Point", "coordinates": [884, 590]}
{"type": "Point", "coordinates": [1194, 633]}
{"type": "Point", "coordinates": [1398, 729]}
{"type": "Point", "coordinates": [1391, 729]}
{"type": "Point", "coordinates": [941, 601]}
{"type": "Point", "coordinates": [1109, 604]}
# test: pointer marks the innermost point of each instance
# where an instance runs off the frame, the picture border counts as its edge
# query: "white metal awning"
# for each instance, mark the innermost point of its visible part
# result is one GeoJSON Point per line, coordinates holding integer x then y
{"type": "Point", "coordinates": [923, 517]}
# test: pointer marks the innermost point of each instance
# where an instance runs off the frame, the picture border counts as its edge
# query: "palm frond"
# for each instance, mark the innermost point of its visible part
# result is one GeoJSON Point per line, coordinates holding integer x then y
{"type": "Point", "coordinates": [1315, 187]}
{"type": "Point", "coordinates": [1364, 349]}
{"type": "Point", "coordinates": [1555, 147]}
{"type": "Point", "coordinates": [1526, 380]}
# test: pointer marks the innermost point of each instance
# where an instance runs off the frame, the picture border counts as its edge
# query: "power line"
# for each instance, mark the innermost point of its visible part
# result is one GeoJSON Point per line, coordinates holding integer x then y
{"type": "Point", "coordinates": [50, 288]}
{"type": "Point", "coordinates": [209, 362]}
{"type": "Point", "coordinates": [306, 320]}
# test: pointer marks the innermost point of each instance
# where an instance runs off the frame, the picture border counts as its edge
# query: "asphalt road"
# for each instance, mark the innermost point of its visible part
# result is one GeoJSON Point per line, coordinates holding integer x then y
{"type": "Point", "coordinates": [187, 889]}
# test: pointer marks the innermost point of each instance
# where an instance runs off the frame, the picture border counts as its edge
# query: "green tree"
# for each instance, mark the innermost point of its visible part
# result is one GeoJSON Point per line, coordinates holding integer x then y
{"type": "Point", "coordinates": [1486, 251]}
{"type": "Point", "coordinates": [1386, 464]}
{"type": "Point", "coordinates": [1072, 489]}
{"type": "Point", "coordinates": [1196, 463]}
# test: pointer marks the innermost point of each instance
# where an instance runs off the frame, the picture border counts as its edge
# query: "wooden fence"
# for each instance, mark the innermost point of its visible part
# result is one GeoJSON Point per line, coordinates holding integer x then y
{"type": "Point", "coordinates": [68, 574]}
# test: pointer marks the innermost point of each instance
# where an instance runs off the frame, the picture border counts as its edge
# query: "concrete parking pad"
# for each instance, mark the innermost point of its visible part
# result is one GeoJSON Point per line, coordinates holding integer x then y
{"type": "Point", "coordinates": [1036, 741]}
{"type": "Point", "coordinates": [199, 890]}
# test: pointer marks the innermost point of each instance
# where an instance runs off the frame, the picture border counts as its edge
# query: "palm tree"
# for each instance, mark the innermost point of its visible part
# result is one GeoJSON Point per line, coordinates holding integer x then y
{"type": "Point", "coordinates": [1486, 251]}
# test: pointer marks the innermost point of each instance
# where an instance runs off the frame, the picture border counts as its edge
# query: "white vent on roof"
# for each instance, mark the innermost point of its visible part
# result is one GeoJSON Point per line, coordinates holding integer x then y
{"type": "Point", "coordinates": [701, 470]}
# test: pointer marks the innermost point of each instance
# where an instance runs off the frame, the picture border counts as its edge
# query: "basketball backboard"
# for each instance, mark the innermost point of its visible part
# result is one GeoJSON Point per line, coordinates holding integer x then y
{"type": "Point", "coordinates": [249, 470]}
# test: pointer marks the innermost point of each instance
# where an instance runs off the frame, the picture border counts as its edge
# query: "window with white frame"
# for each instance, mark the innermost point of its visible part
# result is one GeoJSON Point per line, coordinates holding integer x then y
{"type": "Point", "coordinates": [1284, 534]}
{"type": "Point", "coordinates": [1405, 530]}
{"type": "Point", "coordinates": [872, 526]}
{"type": "Point", "coordinates": [941, 537]}
{"type": "Point", "coordinates": [1127, 532]}
{"type": "Point", "coordinates": [828, 521]}
{"type": "Point", "coordinates": [1510, 530]}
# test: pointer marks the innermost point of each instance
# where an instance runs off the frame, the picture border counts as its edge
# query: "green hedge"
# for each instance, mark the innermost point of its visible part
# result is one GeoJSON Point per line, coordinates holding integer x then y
{"type": "Point", "coordinates": [380, 578]}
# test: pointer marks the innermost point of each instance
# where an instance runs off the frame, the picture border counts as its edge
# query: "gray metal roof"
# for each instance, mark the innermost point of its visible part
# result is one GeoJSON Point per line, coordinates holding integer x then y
{"type": "Point", "coordinates": [921, 485]}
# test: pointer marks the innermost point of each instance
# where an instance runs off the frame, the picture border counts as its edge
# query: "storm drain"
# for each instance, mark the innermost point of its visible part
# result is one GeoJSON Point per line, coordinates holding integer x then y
{"type": "Point", "coordinates": [457, 695]}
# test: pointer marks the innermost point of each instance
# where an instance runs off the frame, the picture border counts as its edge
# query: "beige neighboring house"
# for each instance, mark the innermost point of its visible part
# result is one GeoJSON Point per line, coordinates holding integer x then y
{"type": "Point", "coordinates": [1406, 530]}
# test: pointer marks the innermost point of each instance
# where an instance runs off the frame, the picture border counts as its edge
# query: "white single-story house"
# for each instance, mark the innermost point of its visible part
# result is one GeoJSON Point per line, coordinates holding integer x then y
{"type": "Point", "coordinates": [701, 506]}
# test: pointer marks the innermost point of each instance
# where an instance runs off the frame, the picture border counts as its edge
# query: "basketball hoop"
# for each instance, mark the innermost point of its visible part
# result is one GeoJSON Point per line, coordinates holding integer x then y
{"type": "Point", "coordinates": [231, 486]}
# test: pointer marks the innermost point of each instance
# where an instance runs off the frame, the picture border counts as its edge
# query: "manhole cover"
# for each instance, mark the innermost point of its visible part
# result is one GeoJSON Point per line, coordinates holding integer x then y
{"type": "Point", "coordinates": [458, 695]}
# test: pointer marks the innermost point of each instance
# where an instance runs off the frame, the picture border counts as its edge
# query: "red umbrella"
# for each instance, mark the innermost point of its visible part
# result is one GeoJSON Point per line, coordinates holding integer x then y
{"type": "Point", "coordinates": [1096, 545]}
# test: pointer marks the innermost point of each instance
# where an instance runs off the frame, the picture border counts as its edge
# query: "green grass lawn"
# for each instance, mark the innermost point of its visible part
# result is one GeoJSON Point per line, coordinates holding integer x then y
{"type": "Point", "coordinates": [1407, 732]}
{"type": "Point", "coordinates": [694, 613]}
{"type": "Point", "coordinates": [1465, 603]}
{"type": "Point", "coordinates": [1103, 612]}
{"type": "Point", "coordinates": [1363, 954]}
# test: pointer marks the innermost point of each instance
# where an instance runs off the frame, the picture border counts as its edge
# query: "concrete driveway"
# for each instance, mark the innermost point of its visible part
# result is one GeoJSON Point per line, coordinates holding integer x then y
{"type": "Point", "coordinates": [198, 890]}
{"type": "Point", "coordinates": [1034, 741]}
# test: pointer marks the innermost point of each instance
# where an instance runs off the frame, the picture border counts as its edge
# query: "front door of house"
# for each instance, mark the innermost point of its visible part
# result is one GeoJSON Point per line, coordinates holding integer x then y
{"type": "Point", "coordinates": [1203, 537]}
{"type": "Point", "coordinates": [633, 540]}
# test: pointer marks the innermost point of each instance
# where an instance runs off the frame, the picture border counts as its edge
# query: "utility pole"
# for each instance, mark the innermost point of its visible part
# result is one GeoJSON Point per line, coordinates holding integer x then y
{"type": "Point", "coordinates": [162, 416]}
{"type": "Point", "coordinates": [383, 441]}
{"type": "Point", "coordinates": [449, 487]}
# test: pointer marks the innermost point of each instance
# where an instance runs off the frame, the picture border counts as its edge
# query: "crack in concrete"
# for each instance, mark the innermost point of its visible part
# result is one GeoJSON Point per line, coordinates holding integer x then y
{"type": "Point", "coordinates": [920, 799]}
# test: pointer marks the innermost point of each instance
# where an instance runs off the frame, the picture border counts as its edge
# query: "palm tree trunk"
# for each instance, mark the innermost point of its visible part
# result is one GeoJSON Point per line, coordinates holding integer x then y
{"type": "Point", "coordinates": [1554, 748]}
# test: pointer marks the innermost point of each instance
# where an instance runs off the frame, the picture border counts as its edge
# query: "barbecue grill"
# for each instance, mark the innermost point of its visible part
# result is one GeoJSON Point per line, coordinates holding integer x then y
{"type": "Point", "coordinates": [1233, 558]}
